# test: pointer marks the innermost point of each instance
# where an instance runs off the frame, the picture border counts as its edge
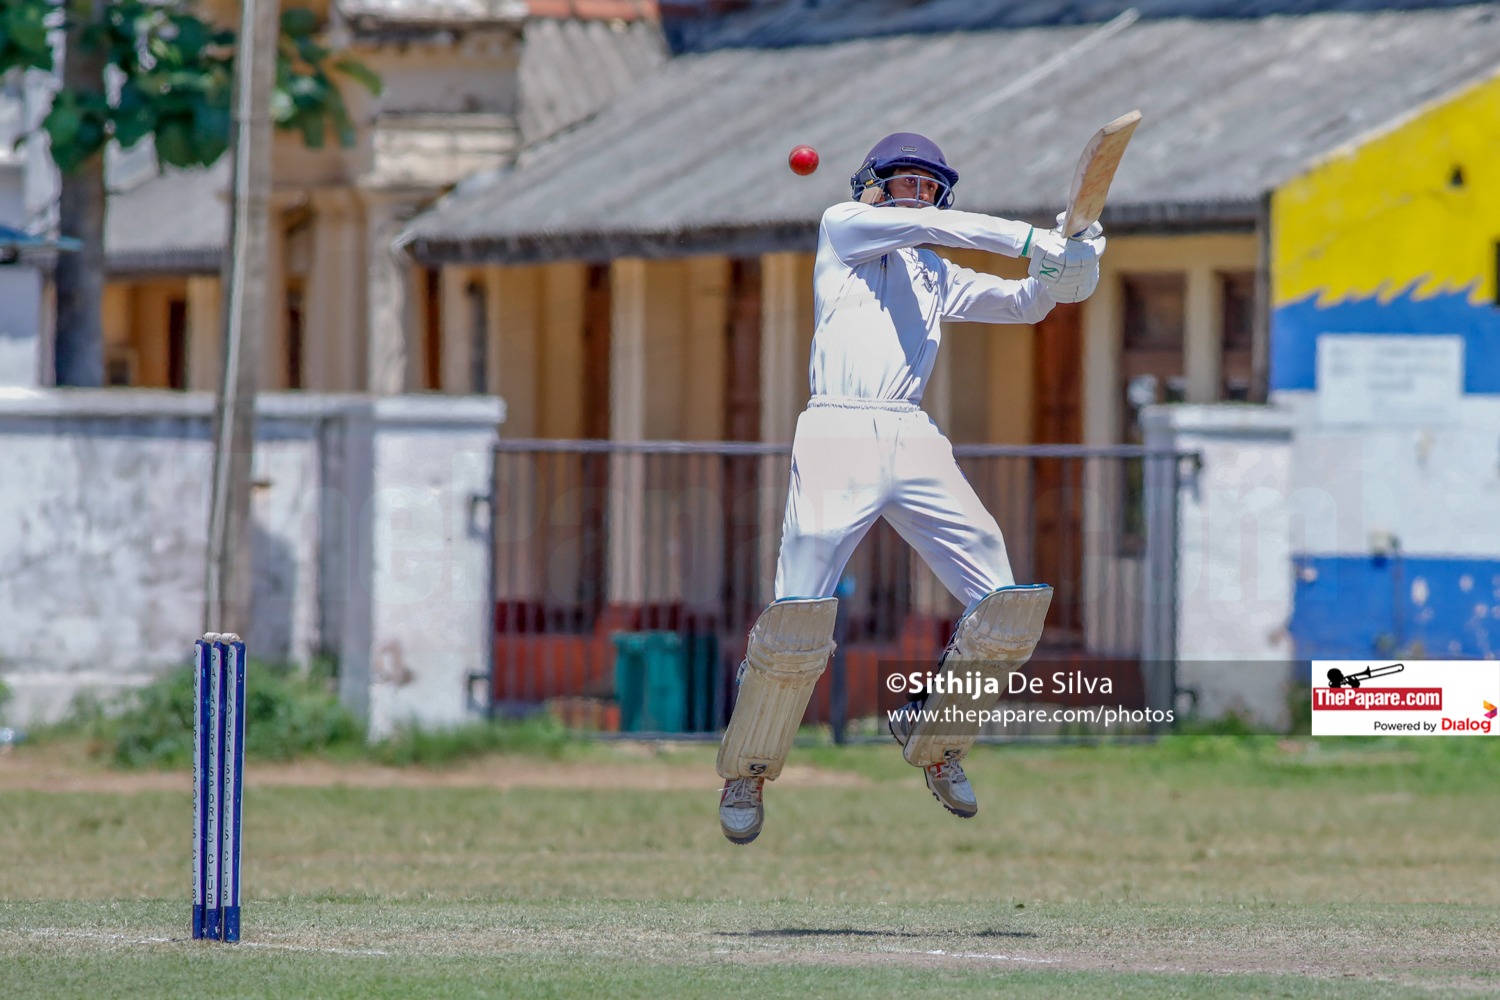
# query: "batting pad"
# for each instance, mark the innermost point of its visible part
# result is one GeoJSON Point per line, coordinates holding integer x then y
{"type": "Point", "coordinates": [993, 639]}
{"type": "Point", "coordinates": [789, 646]}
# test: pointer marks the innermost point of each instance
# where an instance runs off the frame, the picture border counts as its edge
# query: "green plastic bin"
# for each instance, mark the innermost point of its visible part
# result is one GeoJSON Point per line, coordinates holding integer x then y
{"type": "Point", "coordinates": [651, 682]}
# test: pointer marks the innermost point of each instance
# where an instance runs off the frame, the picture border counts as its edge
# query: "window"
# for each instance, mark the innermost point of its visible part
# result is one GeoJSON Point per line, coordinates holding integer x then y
{"type": "Point", "coordinates": [1151, 368]}
{"type": "Point", "coordinates": [1238, 299]}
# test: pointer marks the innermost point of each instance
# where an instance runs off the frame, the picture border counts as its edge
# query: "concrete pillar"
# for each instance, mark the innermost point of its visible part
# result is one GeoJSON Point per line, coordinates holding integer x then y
{"type": "Point", "coordinates": [517, 345]}
{"type": "Point", "coordinates": [205, 327]}
{"type": "Point", "coordinates": [457, 332]}
{"type": "Point", "coordinates": [560, 352]}
{"type": "Point", "coordinates": [273, 374]}
{"type": "Point", "coordinates": [627, 350]}
{"type": "Point", "coordinates": [332, 345]}
{"type": "Point", "coordinates": [1101, 359]}
{"type": "Point", "coordinates": [703, 362]}
{"type": "Point", "coordinates": [780, 367]}
{"type": "Point", "coordinates": [1202, 339]}
{"type": "Point", "coordinates": [391, 352]}
{"type": "Point", "coordinates": [783, 378]}
{"type": "Point", "coordinates": [627, 422]}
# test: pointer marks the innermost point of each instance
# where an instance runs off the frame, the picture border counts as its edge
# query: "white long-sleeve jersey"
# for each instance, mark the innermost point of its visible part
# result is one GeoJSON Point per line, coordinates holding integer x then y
{"type": "Point", "coordinates": [880, 302]}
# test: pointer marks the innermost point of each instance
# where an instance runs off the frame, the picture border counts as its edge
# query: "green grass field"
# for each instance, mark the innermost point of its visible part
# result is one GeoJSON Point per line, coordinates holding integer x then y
{"type": "Point", "coordinates": [1195, 867]}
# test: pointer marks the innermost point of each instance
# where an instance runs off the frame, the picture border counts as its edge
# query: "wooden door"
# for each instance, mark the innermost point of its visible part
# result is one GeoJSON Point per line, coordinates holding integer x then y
{"type": "Point", "coordinates": [596, 323]}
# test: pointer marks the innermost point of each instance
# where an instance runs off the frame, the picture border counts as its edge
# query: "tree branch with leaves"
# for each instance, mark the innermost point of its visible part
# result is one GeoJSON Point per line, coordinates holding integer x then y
{"type": "Point", "coordinates": [174, 74]}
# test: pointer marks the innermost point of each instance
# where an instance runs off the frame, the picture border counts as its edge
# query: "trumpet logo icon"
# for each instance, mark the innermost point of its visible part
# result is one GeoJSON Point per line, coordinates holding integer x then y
{"type": "Point", "coordinates": [1337, 678]}
{"type": "Point", "coordinates": [1490, 710]}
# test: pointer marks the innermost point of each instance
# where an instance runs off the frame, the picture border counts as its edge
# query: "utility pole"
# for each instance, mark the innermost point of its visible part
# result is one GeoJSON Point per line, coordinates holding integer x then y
{"type": "Point", "coordinates": [229, 583]}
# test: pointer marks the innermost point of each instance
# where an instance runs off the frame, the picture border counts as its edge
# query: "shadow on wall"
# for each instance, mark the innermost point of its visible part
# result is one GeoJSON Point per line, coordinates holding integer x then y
{"type": "Point", "coordinates": [273, 602]}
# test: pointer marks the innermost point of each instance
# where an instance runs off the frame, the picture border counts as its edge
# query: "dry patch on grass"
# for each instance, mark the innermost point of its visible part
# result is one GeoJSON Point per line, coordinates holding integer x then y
{"type": "Point", "coordinates": [635, 767]}
{"type": "Point", "coordinates": [1457, 947]}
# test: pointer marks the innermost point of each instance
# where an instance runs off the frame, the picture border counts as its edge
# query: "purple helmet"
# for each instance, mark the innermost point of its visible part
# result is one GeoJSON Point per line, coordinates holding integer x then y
{"type": "Point", "coordinates": [905, 149]}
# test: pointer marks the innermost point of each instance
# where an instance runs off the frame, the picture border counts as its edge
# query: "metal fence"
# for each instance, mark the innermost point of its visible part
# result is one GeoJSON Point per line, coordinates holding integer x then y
{"type": "Point", "coordinates": [596, 538]}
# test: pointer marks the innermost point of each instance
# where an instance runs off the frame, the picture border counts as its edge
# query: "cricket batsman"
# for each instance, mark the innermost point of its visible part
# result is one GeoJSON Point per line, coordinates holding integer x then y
{"type": "Point", "coordinates": [863, 449]}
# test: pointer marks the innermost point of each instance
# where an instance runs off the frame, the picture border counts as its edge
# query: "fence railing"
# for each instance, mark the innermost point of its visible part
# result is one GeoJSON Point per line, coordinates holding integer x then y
{"type": "Point", "coordinates": [595, 538]}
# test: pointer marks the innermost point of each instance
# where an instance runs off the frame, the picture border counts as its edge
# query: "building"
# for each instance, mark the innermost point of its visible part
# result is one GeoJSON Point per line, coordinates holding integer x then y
{"type": "Point", "coordinates": [647, 276]}
{"type": "Point", "coordinates": [466, 85]}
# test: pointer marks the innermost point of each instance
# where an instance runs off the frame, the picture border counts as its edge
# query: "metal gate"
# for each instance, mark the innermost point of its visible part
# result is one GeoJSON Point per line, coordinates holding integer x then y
{"type": "Point", "coordinates": [595, 538]}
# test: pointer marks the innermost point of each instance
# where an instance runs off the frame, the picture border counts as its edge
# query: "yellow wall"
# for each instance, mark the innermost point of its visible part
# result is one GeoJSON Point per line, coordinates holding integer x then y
{"type": "Point", "coordinates": [1383, 215]}
{"type": "Point", "coordinates": [135, 324]}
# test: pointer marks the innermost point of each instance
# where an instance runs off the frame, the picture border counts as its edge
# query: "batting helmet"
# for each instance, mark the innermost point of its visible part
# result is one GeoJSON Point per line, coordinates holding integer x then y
{"type": "Point", "coordinates": [905, 149]}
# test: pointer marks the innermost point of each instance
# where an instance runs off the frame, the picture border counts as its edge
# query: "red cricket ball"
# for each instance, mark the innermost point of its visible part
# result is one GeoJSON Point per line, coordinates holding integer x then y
{"type": "Point", "coordinates": [803, 160]}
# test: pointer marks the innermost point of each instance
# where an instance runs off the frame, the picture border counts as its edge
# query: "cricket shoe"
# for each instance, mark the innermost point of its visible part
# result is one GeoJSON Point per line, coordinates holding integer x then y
{"type": "Point", "coordinates": [742, 809]}
{"type": "Point", "coordinates": [950, 786]}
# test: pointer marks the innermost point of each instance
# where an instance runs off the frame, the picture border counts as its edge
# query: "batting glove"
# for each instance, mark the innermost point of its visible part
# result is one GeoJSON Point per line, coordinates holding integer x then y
{"type": "Point", "coordinates": [1069, 268]}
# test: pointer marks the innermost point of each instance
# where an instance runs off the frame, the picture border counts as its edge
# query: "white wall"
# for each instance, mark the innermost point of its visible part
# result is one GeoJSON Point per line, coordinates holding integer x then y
{"type": "Point", "coordinates": [364, 542]}
{"type": "Point", "coordinates": [1234, 555]}
{"type": "Point", "coordinates": [1435, 487]}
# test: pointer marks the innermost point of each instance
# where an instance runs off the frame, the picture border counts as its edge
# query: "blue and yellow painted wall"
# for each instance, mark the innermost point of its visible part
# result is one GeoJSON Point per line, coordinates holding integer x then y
{"type": "Point", "coordinates": [1397, 234]}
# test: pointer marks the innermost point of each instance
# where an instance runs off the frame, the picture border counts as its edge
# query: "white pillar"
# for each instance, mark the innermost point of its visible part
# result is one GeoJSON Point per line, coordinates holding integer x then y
{"type": "Point", "coordinates": [627, 422]}
{"type": "Point", "coordinates": [627, 350]}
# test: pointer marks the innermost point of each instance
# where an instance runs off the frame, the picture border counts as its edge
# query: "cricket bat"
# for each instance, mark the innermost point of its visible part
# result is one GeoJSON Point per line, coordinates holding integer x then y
{"type": "Point", "coordinates": [1096, 169]}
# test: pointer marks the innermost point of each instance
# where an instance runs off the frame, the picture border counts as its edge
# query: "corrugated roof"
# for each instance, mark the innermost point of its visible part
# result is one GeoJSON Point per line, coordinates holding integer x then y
{"type": "Point", "coordinates": [176, 223]}
{"type": "Point", "coordinates": [705, 25]}
{"type": "Point", "coordinates": [694, 158]}
{"type": "Point", "coordinates": [572, 68]}
{"type": "Point", "coordinates": [478, 12]}
{"type": "Point", "coordinates": [433, 12]}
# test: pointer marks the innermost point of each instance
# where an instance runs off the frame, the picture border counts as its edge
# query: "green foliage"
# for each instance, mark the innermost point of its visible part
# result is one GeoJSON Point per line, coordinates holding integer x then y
{"type": "Point", "coordinates": [432, 747]}
{"type": "Point", "coordinates": [287, 713]}
{"type": "Point", "coordinates": [177, 78]}
{"type": "Point", "coordinates": [1228, 724]}
{"type": "Point", "coordinates": [79, 127]}
{"type": "Point", "coordinates": [23, 35]}
{"type": "Point", "coordinates": [306, 98]}
{"type": "Point", "coordinates": [179, 91]}
{"type": "Point", "coordinates": [5, 693]}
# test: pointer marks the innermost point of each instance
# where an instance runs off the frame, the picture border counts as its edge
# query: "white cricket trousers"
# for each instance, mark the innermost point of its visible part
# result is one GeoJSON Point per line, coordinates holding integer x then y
{"type": "Point", "coordinates": [854, 460]}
